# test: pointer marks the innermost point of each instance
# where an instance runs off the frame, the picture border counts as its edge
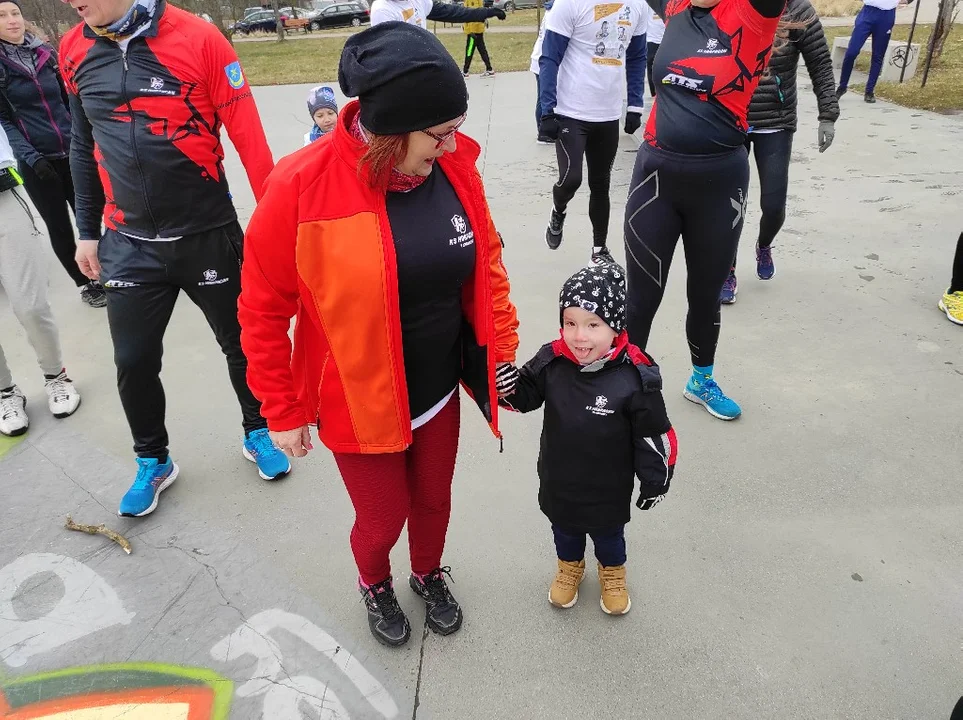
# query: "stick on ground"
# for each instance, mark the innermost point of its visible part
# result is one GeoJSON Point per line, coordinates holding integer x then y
{"type": "Point", "coordinates": [100, 530]}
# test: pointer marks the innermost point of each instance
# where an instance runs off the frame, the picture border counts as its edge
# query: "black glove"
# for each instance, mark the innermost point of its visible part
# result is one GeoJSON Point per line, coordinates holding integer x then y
{"type": "Point", "coordinates": [45, 170]}
{"type": "Point", "coordinates": [506, 377]}
{"type": "Point", "coordinates": [649, 503]}
{"type": "Point", "coordinates": [633, 121]}
{"type": "Point", "coordinates": [549, 126]}
{"type": "Point", "coordinates": [495, 12]}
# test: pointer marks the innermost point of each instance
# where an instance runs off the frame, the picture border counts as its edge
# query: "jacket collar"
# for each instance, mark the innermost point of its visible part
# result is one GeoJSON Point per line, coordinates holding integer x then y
{"type": "Point", "coordinates": [151, 30]}
{"type": "Point", "coordinates": [617, 354]}
{"type": "Point", "coordinates": [351, 150]}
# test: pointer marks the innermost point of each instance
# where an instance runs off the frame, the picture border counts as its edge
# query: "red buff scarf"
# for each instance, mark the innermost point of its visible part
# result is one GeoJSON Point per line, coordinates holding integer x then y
{"type": "Point", "coordinates": [399, 181]}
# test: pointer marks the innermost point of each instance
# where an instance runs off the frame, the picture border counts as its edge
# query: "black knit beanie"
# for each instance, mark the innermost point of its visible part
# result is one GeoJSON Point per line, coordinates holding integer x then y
{"type": "Point", "coordinates": [599, 289]}
{"type": "Point", "coordinates": [15, 2]}
{"type": "Point", "coordinates": [404, 77]}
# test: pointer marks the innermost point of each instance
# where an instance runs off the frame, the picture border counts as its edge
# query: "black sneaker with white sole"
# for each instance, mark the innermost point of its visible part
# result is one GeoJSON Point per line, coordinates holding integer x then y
{"type": "Point", "coordinates": [387, 620]}
{"type": "Point", "coordinates": [602, 256]}
{"type": "Point", "coordinates": [869, 97]}
{"type": "Point", "coordinates": [553, 235]}
{"type": "Point", "coordinates": [93, 294]}
{"type": "Point", "coordinates": [442, 611]}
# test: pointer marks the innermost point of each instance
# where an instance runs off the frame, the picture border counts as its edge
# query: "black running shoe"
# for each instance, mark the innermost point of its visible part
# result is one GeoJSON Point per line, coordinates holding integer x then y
{"type": "Point", "coordinates": [442, 612]}
{"type": "Point", "coordinates": [93, 294]}
{"type": "Point", "coordinates": [553, 235]}
{"type": "Point", "coordinates": [869, 97]}
{"type": "Point", "coordinates": [387, 620]}
{"type": "Point", "coordinates": [602, 257]}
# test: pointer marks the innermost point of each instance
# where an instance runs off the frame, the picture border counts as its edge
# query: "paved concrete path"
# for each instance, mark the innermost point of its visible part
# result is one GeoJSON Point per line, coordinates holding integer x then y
{"type": "Point", "coordinates": [807, 563]}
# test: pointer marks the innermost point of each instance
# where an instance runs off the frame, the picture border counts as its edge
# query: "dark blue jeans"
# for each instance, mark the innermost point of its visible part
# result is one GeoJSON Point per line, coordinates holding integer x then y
{"type": "Point", "coordinates": [870, 21]}
{"type": "Point", "coordinates": [609, 545]}
{"type": "Point", "coordinates": [538, 105]}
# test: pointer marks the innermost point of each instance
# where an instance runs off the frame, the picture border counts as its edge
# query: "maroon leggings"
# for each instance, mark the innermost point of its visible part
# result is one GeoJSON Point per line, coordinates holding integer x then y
{"type": "Point", "coordinates": [414, 485]}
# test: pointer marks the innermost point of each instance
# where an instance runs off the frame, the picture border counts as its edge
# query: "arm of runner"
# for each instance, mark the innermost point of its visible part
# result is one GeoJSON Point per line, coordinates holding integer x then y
{"type": "Point", "coordinates": [559, 28]}
{"type": "Point", "coordinates": [268, 301]}
{"type": "Point", "coordinates": [655, 445]}
{"type": "Point", "coordinates": [22, 149]}
{"type": "Point", "coordinates": [635, 58]}
{"type": "Point", "coordinates": [819, 64]}
{"type": "Point", "coordinates": [451, 13]}
{"type": "Point", "coordinates": [235, 106]}
{"type": "Point", "coordinates": [658, 6]}
{"type": "Point", "coordinates": [88, 192]}
{"type": "Point", "coordinates": [768, 9]}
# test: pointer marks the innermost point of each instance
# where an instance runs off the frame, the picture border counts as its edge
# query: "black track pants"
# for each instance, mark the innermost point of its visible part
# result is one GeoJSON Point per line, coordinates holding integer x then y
{"type": "Point", "coordinates": [597, 142]}
{"type": "Point", "coordinates": [476, 41]}
{"type": "Point", "coordinates": [957, 283]}
{"type": "Point", "coordinates": [143, 280]}
{"type": "Point", "coordinates": [702, 199]}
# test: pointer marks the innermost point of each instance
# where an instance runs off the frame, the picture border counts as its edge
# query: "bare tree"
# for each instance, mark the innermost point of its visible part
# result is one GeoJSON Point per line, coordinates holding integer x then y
{"type": "Point", "coordinates": [53, 19]}
{"type": "Point", "coordinates": [948, 12]}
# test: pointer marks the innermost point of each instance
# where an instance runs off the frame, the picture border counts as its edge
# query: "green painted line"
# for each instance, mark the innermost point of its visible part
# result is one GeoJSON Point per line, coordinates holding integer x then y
{"type": "Point", "coordinates": [9, 443]}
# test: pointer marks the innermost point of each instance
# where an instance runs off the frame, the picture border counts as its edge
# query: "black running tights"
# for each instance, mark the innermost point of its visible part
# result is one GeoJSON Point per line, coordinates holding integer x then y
{"type": "Point", "coordinates": [957, 284]}
{"type": "Point", "coordinates": [772, 152]}
{"type": "Point", "coordinates": [702, 199]}
{"type": "Point", "coordinates": [597, 142]}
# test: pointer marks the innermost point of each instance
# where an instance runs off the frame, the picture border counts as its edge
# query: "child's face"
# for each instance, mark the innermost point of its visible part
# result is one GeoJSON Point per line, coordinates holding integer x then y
{"type": "Point", "coordinates": [325, 118]}
{"type": "Point", "coordinates": [586, 334]}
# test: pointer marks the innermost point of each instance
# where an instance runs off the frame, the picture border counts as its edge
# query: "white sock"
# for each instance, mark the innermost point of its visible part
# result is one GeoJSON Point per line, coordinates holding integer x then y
{"type": "Point", "coordinates": [597, 248]}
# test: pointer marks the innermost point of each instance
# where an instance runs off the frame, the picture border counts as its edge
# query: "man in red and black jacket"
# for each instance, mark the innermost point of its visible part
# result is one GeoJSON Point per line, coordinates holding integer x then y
{"type": "Point", "coordinates": [150, 86]}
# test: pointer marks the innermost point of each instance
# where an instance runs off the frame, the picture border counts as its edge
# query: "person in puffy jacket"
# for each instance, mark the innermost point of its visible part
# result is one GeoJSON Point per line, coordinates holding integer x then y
{"type": "Point", "coordinates": [36, 120]}
{"type": "Point", "coordinates": [380, 241]}
{"type": "Point", "coordinates": [772, 124]}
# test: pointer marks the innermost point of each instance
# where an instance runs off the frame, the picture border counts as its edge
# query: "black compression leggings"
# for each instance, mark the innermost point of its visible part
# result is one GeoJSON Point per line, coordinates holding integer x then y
{"type": "Point", "coordinates": [597, 142]}
{"type": "Point", "coordinates": [956, 284]}
{"type": "Point", "coordinates": [701, 198]}
{"type": "Point", "coordinates": [772, 152]}
{"type": "Point", "coordinates": [476, 41]}
{"type": "Point", "coordinates": [650, 50]}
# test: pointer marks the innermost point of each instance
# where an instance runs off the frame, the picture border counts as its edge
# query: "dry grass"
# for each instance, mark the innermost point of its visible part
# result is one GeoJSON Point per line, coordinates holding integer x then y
{"type": "Point", "coordinates": [309, 61]}
{"type": "Point", "coordinates": [944, 86]}
{"type": "Point", "coordinates": [837, 8]}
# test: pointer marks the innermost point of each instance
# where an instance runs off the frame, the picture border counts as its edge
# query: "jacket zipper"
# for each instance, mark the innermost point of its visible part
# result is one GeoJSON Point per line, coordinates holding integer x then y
{"type": "Point", "coordinates": [133, 143]}
{"type": "Point", "coordinates": [53, 123]}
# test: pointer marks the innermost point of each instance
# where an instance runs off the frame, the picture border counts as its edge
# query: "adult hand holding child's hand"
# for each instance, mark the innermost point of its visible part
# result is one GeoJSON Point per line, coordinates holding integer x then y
{"type": "Point", "coordinates": [295, 443]}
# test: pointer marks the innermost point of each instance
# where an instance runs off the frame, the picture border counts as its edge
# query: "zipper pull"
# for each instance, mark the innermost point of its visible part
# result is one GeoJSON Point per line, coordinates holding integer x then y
{"type": "Point", "coordinates": [501, 444]}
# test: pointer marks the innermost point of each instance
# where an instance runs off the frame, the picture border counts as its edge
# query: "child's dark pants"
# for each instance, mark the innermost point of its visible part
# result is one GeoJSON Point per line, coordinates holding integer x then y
{"type": "Point", "coordinates": [609, 545]}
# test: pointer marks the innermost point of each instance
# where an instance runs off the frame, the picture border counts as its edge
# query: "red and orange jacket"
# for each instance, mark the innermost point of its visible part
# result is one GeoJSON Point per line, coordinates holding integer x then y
{"type": "Point", "coordinates": [319, 246]}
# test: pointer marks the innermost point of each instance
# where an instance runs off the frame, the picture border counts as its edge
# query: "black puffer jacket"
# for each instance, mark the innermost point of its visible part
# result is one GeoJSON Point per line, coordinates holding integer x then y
{"type": "Point", "coordinates": [773, 105]}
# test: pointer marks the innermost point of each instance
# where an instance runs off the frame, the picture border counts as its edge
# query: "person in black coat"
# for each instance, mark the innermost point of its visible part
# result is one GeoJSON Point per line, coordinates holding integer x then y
{"type": "Point", "coordinates": [34, 115]}
{"type": "Point", "coordinates": [772, 123]}
{"type": "Point", "coordinates": [604, 424]}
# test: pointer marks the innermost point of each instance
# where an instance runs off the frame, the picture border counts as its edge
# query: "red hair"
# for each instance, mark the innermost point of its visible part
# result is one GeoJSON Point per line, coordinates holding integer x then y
{"type": "Point", "coordinates": [383, 153]}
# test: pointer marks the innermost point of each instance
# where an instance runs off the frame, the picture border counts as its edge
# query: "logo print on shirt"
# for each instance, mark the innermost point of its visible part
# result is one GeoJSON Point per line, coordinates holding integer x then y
{"type": "Point", "coordinates": [606, 9]}
{"type": "Point", "coordinates": [601, 407]}
{"type": "Point", "coordinates": [235, 77]}
{"type": "Point", "coordinates": [713, 47]}
{"type": "Point", "coordinates": [458, 222]}
{"type": "Point", "coordinates": [211, 278]}
{"type": "Point", "coordinates": [465, 237]}
{"type": "Point", "coordinates": [156, 83]}
{"type": "Point", "coordinates": [740, 207]}
{"type": "Point", "coordinates": [683, 81]}
{"type": "Point", "coordinates": [603, 31]}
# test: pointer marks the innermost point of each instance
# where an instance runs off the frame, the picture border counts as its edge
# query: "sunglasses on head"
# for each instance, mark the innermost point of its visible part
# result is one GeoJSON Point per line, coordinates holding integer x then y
{"type": "Point", "coordinates": [442, 139]}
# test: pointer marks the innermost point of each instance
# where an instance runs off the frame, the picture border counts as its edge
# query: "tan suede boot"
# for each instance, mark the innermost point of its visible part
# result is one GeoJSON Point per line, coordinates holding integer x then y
{"type": "Point", "coordinates": [615, 598]}
{"type": "Point", "coordinates": [564, 592]}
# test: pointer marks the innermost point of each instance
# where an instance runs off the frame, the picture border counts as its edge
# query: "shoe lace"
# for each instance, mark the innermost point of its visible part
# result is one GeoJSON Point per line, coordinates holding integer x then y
{"type": "Point", "coordinates": [58, 388]}
{"type": "Point", "coordinates": [730, 282]}
{"type": "Point", "coordinates": [383, 595]}
{"type": "Point", "coordinates": [568, 576]}
{"type": "Point", "coordinates": [765, 254]}
{"type": "Point", "coordinates": [145, 475]}
{"type": "Point", "coordinates": [612, 580]}
{"type": "Point", "coordinates": [712, 390]}
{"type": "Point", "coordinates": [435, 586]}
{"type": "Point", "coordinates": [9, 407]}
{"type": "Point", "coordinates": [955, 300]}
{"type": "Point", "coordinates": [261, 443]}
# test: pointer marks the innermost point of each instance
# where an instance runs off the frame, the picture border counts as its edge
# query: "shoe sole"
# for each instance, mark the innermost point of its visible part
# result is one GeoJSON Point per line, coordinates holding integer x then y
{"type": "Point", "coordinates": [393, 643]}
{"type": "Point", "coordinates": [733, 301]}
{"type": "Point", "coordinates": [609, 612]}
{"type": "Point", "coordinates": [551, 241]}
{"type": "Point", "coordinates": [61, 416]}
{"type": "Point", "coordinates": [17, 433]}
{"type": "Point", "coordinates": [699, 401]}
{"type": "Point", "coordinates": [559, 605]}
{"type": "Point", "coordinates": [942, 307]}
{"type": "Point", "coordinates": [248, 456]}
{"type": "Point", "coordinates": [153, 506]}
{"type": "Point", "coordinates": [766, 278]}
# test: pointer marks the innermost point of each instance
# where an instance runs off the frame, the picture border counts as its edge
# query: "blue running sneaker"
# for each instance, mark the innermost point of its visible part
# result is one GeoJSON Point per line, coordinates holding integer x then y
{"type": "Point", "coordinates": [730, 289]}
{"type": "Point", "coordinates": [152, 479]}
{"type": "Point", "coordinates": [764, 266]}
{"type": "Point", "coordinates": [260, 449]}
{"type": "Point", "coordinates": [707, 393]}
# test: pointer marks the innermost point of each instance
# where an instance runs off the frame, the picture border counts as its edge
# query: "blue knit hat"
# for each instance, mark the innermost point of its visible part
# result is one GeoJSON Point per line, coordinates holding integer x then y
{"type": "Point", "coordinates": [321, 97]}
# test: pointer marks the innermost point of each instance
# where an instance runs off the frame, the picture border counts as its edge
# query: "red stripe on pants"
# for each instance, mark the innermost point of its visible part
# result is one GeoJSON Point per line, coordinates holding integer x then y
{"type": "Point", "coordinates": [414, 485]}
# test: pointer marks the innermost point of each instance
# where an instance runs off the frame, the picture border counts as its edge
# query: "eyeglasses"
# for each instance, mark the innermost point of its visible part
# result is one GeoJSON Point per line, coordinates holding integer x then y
{"type": "Point", "coordinates": [442, 139]}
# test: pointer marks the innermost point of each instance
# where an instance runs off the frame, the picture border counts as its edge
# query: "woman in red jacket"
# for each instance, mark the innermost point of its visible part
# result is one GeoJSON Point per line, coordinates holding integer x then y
{"type": "Point", "coordinates": [379, 239]}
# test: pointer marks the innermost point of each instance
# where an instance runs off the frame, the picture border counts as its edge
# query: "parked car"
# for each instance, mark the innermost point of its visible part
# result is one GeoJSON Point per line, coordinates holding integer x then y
{"type": "Point", "coordinates": [261, 21]}
{"type": "Point", "coordinates": [343, 14]}
{"type": "Point", "coordinates": [511, 5]}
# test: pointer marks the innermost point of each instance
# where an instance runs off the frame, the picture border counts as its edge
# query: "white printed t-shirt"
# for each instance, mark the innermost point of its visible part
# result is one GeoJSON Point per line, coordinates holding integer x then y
{"type": "Point", "coordinates": [537, 49]}
{"type": "Point", "coordinates": [591, 78]}
{"type": "Point", "coordinates": [414, 12]}
{"type": "Point", "coordinates": [655, 28]}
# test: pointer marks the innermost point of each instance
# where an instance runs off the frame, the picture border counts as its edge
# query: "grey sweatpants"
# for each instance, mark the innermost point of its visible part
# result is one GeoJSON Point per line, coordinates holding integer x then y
{"type": "Point", "coordinates": [23, 273]}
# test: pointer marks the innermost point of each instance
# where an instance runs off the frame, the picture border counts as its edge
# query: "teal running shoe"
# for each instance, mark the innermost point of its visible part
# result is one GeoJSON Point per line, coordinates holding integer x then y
{"type": "Point", "coordinates": [152, 479]}
{"type": "Point", "coordinates": [704, 391]}
{"type": "Point", "coordinates": [271, 462]}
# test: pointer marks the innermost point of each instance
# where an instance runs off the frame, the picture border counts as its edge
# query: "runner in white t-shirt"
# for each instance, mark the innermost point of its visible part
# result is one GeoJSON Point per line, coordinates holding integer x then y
{"type": "Point", "coordinates": [653, 38]}
{"type": "Point", "coordinates": [590, 52]}
{"type": "Point", "coordinates": [418, 12]}
{"type": "Point", "coordinates": [536, 54]}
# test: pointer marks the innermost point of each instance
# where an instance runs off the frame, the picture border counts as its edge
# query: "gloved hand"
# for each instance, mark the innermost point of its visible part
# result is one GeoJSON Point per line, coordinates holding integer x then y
{"type": "Point", "coordinates": [506, 377]}
{"type": "Point", "coordinates": [495, 12]}
{"type": "Point", "coordinates": [45, 170]}
{"type": "Point", "coordinates": [549, 126]}
{"type": "Point", "coordinates": [649, 503]}
{"type": "Point", "coordinates": [633, 121]}
{"type": "Point", "coordinates": [827, 132]}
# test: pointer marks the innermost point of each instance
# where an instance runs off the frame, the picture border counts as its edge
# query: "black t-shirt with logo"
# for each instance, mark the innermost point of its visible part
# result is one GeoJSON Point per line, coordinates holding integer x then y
{"type": "Point", "coordinates": [435, 247]}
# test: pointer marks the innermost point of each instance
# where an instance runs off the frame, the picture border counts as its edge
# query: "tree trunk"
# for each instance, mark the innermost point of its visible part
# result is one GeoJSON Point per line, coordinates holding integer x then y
{"type": "Point", "coordinates": [277, 19]}
{"type": "Point", "coordinates": [943, 25]}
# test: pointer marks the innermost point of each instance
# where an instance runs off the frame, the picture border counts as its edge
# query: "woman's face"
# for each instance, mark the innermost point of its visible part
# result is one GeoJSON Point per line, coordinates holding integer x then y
{"type": "Point", "coordinates": [11, 23]}
{"type": "Point", "coordinates": [426, 146]}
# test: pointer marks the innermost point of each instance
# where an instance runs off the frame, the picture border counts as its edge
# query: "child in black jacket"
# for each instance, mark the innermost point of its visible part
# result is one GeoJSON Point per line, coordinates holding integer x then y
{"type": "Point", "coordinates": [605, 423]}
